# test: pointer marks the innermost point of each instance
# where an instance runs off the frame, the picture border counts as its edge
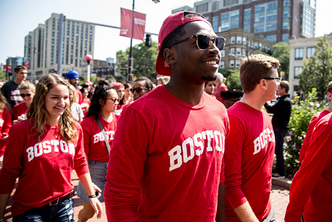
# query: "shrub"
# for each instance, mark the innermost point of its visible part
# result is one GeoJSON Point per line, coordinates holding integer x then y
{"type": "Point", "coordinates": [302, 113]}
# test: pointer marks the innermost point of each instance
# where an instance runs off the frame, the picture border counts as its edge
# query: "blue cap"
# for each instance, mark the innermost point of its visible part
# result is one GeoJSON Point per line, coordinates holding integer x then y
{"type": "Point", "coordinates": [72, 75]}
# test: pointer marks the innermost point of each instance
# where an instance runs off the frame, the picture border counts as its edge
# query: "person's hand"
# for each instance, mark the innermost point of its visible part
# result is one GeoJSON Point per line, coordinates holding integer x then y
{"type": "Point", "coordinates": [96, 205]}
{"type": "Point", "coordinates": [4, 138]}
{"type": "Point", "coordinates": [96, 188]}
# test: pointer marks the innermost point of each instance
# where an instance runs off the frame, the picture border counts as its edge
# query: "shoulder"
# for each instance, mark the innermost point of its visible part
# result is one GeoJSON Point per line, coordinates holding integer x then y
{"type": "Point", "coordinates": [25, 125]}
{"type": "Point", "coordinates": [88, 121]}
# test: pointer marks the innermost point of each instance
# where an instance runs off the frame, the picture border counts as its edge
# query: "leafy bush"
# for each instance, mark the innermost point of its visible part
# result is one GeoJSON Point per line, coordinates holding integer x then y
{"type": "Point", "coordinates": [302, 113]}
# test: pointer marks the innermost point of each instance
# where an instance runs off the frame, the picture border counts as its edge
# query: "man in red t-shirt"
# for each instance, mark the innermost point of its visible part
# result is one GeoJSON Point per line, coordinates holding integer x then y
{"type": "Point", "coordinates": [166, 160]}
{"type": "Point", "coordinates": [250, 143]}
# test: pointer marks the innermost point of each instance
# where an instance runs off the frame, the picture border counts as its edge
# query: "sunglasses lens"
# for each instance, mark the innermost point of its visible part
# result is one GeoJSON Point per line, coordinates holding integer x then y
{"type": "Point", "coordinates": [219, 42]}
{"type": "Point", "coordinates": [203, 41]}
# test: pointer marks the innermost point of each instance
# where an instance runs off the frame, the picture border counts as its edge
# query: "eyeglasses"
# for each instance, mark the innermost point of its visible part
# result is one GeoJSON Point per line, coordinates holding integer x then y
{"type": "Point", "coordinates": [276, 79]}
{"type": "Point", "coordinates": [25, 95]}
{"type": "Point", "coordinates": [204, 42]}
{"type": "Point", "coordinates": [114, 100]}
{"type": "Point", "coordinates": [138, 90]}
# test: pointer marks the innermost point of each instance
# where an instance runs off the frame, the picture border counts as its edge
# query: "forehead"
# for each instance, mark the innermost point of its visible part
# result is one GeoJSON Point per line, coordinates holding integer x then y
{"type": "Point", "coordinates": [112, 93]}
{"type": "Point", "coordinates": [198, 27]}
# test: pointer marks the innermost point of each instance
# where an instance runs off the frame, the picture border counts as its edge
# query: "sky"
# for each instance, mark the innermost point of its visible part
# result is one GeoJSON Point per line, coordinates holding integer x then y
{"type": "Point", "coordinates": [18, 17]}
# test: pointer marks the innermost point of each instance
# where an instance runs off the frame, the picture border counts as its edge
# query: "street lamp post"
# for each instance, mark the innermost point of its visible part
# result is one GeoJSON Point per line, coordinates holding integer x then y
{"type": "Point", "coordinates": [88, 58]}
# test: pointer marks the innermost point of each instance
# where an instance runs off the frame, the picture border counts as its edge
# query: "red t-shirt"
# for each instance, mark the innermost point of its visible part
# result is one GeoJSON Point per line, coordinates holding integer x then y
{"type": "Point", "coordinates": [166, 160]}
{"type": "Point", "coordinates": [79, 96]}
{"type": "Point", "coordinates": [94, 142]}
{"type": "Point", "coordinates": [43, 167]}
{"type": "Point", "coordinates": [248, 161]}
{"type": "Point", "coordinates": [20, 110]}
{"type": "Point", "coordinates": [85, 105]}
{"type": "Point", "coordinates": [307, 138]}
{"type": "Point", "coordinates": [5, 124]}
{"type": "Point", "coordinates": [311, 190]}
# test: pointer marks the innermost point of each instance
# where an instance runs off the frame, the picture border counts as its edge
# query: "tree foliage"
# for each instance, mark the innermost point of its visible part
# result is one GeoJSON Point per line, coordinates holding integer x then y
{"type": "Point", "coordinates": [281, 51]}
{"type": "Point", "coordinates": [144, 60]}
{"type": "Point", "coordinates": [317, 70]}
{"type": "Point", "coordinates": [232, 78]}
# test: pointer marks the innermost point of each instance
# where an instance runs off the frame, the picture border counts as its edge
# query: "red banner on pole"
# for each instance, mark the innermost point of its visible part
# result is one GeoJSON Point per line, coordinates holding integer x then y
{"type": "Point", "coordinates": [126, 24]}
{"type": "Point", "coordinates": [9, 68]}
{"type": "Point", "coordinates": [4, 68]}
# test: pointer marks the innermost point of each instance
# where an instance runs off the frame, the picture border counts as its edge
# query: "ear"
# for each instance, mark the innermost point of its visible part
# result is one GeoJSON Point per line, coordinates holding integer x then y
{"type": "Point", "coordinates": [262, 84]}
{"type": "Point", "coordinates": [101, 102]}
{"type": "Point", "coordinates": [169, 56]}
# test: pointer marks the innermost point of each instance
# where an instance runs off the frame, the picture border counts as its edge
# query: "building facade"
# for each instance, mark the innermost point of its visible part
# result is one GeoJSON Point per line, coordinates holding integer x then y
{"type": "Point", "coordinates": [41, 47]}
{"type": "Point", "coordinates": [276, 20]}
{"type": "Point", "coordinates": [300, 50]}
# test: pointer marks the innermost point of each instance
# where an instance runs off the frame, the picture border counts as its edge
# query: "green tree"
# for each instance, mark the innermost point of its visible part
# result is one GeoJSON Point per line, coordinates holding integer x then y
{"type": "Point", "coordinates": [317, 70]}
{"type": "Point", "coordinates": [144, 60]}
{"type": "Point", "coordinates": [2, 75]}
{"type": "Point", "coordinates": [281, 51]}
{"type": "Point", "coordinates": [232, 78]}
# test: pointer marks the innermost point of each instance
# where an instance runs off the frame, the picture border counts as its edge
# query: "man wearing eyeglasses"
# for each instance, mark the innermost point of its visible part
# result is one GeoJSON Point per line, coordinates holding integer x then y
{"type": "Point", "coordinates": [10, 89]}
{"type": "Point", "coordinates": [281, 114]}
{"type": "Point", "coordinates": [167, 154]}
{"type": "Point", "coordinates": [250, 143]}
{"type": "Point", "coordinates": [141, 86]}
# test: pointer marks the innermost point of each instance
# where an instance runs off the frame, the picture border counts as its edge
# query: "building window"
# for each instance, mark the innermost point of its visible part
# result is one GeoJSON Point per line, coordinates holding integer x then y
{"type": "Point", "coordinates": [238, 40]}
{"type": "Point", "coordinates": [247, 20]}
{"type": "Point", "coordinates": [272, 38]}
{"type": "Point", "coordinates": [231, 63]}
{"type": "Point", "coordinates": [286, 15]}
{"type": "Point", "coordinates": [202, 8]}
{"type": "Point", "coordinates": [310, 51]}
{"type": "Point", "coordinates": [230, 20]}
{"type": "Point", "coordinates": [244, 52]}
{"type": "Point", "coordinates": [215, 23]}
{"type": "Point", "coordinates": [237, 64]}
{"type": "Point", "coordinates": [297, 71]}
{"type": "Point", "coordinates": [232, 51]}
{"type": "Point", "coordinates": [285, 38]}
{"type": "Point", "coordinates": [244, 40]}
{"type": "Point", "coordinates": [299, 54]}
{"type": "Point", "coordinates": [266, 17]}
{"type": "Point", "coordinates": [238, 51]}
{"type": "Point", "coordinates": [232, 40]}
{"type": "Point", "coordinates": [222, 53]}
{"type": "Point", "coordinates": [222, 64]}
{"type": "Point", "coordinates": [307, 20]}
{"type": "Point", "coordinates": [256, 45]}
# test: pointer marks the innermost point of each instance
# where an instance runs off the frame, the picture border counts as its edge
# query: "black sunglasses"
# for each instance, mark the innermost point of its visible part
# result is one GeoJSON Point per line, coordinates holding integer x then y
{"type": "Point", "coordinates": [204, 42]}
{"type": "Point", "coordinates": [138, 90]}
{"type": "Point", "coordinates": [277, 79]}
{"type": "Point", "coordinates": [25, 95]}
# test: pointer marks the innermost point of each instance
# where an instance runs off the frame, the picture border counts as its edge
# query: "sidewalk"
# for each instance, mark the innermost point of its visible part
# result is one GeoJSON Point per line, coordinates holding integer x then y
{"type": "Point", "coordinates": [279, 198]}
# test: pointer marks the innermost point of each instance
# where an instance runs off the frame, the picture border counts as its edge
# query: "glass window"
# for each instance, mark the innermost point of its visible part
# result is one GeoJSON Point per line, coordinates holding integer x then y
{"type": "Point", "coordinates": [260, 46]}
{"type": "Point", "coordinates": [286, 15]}
{"type": "Point", "coordinates": [232, 51]}
{"type": "Point", "coordinates": [266, 17]}
{"type": "Point", "coordinates": [231, 63]}
{"type": "Point", "coordinates": [238, 51]}
{"type": "Point", "coordinates": [238, 40]}
{"type": "Point", "coordinates": [244, 40]}
{"type": "Point", "coordinates": [285, 38]}
{"type": "Point", "coordinates": [222, 53]}
{"type": "Point", "coordinates": [310, 51]}
{"type": "Point", "coordinates": [237, 64]}
{"type": "Point", "coordinates": [224, 21]}
{"type": "Point", "coordinates": [215, 23]}
{"type": "Point", "coordinates": [232, 40]}
{"type": "Point", "coordinates": [244, 52]}
{"type": "Point", "coordinates": [234, 18]}
{"type": "Point", "coordinates": [299, 54]}
{"type": "Point", "coordinates": [256, 45]}
{"type": "Point", "coordinates": [272, 38]}
{"type": "Point", "coordinates": [222, 64]}
{"type": "Point", "coordinates": [297, 71]}
{"type": "Point", "coordinates": [247, 20]}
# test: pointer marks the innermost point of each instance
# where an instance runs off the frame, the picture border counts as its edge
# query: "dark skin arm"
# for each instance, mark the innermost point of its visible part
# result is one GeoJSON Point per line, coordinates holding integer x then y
{"type": "Point", "coordinates": [221, 203]}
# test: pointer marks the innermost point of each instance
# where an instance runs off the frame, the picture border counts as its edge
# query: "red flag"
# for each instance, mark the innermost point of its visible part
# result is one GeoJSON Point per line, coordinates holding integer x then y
{"type": "Point", "coordinates": [9, 68]}
{"type": "Point", "coordinates": [4, 68]}
{"type": "Point", "coordinates": [126, 24]}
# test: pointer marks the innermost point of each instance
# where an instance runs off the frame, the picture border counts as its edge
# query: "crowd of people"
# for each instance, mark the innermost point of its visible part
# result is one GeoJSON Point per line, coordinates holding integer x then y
{"type": "Point", "coordinates": [186, 149]}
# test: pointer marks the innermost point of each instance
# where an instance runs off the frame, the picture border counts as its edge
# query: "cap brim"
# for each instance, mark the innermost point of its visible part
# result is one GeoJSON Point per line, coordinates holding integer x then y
{"type": "Point", "coordinates": [161, 69]}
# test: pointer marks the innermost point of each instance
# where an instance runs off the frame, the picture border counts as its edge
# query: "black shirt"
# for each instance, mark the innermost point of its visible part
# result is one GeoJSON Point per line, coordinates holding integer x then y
{"type": "Point", "coordinates": [282, 111]}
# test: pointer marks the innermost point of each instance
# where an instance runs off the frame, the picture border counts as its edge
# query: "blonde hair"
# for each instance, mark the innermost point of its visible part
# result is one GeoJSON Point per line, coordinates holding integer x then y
{"type": "Point", "coordinates": [27, 86]}
{"type": "Point", "coordinates": [73, 89]}
{"type": "Point", "coordinates": [254, 68]}
{"type": "Point", "coordinates": [4, 103]}
{"type": "Point", "coordinates": [38, 111]}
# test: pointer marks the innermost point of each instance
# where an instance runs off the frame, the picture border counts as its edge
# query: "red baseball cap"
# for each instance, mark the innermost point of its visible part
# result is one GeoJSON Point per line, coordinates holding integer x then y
{"type": "Point", "coordinates": [118, 85]}
{"type": "Point", "coordinates": [171, 23]}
